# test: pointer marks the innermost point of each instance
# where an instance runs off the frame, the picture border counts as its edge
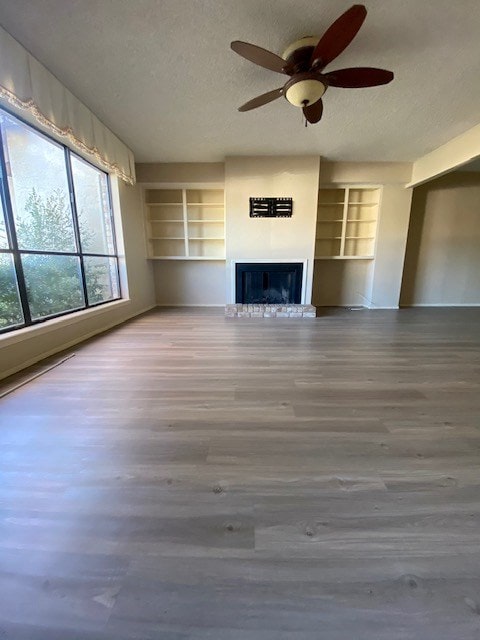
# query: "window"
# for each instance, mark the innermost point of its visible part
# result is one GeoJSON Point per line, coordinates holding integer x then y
{"type": "Point", "coordinates": [57, 239]}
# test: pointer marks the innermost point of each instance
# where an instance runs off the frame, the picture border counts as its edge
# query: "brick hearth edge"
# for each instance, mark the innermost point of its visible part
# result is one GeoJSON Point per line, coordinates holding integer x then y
{"type": "Point", "coordinates": [270, 311]}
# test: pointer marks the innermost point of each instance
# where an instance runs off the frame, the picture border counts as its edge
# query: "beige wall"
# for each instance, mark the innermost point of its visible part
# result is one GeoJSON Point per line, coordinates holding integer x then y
{"type": "Point", "coordinates": [180, 282]}
{"type": "Point", "coordinates": [196, 283]}
{"type": "Point", "coordinates": [453, 154]}
{"type": "Point", "coordinates": [365, 172]}
{"type": "Point", "coordinates": [442, 265]}
{"type": "Point", "coordinates": [131, 223]}
{"type": "Point", "coordinates": [340, 283]}
{"type": "Point", "coordinates": [27, 346]}
{"type": "Point", "coordinates": [183, 282]}
{"type": "Point", "coordinates": [387, 268]}
{"type": "Point", "coordinates": [180, 172]}
{"type": "Point", "coordinates": [277, 239]}
{"type": "Point", "coordinates": [372, 283]}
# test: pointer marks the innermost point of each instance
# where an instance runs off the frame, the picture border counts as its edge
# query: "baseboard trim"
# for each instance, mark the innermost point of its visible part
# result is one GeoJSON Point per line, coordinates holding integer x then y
{"type": "Point", "coordinates": [219, 306]}
{"type": "Point", "coordinates": [375, 308]}
{"type": "Point", "coordinates": [71, 343]}
{"type": "Point", "coordinates": [354, 306]}
{"type": "Point", "coordinates": [460, 305]}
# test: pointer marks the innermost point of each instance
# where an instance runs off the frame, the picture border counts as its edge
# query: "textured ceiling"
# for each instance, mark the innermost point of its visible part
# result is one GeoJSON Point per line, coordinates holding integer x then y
{"type": "Point", "coordinates": [161, 75]}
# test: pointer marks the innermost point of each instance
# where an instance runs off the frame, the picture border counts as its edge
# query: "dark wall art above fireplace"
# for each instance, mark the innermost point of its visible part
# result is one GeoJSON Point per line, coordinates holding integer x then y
{"type": "Point", "coordinates": [268, 283]}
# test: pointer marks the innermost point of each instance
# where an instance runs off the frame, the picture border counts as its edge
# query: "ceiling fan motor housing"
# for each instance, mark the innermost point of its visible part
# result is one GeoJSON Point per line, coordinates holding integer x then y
{"type": "Point", "coordinates": [300, 51]}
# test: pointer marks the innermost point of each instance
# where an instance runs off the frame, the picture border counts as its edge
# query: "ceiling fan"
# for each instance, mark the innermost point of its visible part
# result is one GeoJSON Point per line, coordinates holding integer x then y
{"type": "Point", "coordinates": [305, 60]}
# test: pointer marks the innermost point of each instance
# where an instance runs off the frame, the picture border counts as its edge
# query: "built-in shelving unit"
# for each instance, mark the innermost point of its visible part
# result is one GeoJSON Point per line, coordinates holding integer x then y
{"type": "Point", "coordinates": [346, 222]}
{"type": "Point", "coordinates": [185, 224]}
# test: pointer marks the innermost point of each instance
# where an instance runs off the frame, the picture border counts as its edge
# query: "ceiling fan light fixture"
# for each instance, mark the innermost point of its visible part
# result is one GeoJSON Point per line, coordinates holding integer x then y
{"type": "Point", "coordinates": [303, 91]}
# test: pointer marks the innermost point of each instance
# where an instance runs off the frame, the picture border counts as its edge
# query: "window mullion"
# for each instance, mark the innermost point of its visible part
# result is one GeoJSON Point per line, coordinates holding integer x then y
{"type": "Point", "coordinates": [12, 235]}
{"type": "Point", "coordinates": [76, 227]}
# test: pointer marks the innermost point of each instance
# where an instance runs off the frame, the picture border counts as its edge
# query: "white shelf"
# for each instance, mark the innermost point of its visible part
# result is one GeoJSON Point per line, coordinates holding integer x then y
{"type": "Point", "coordinates": [205, 221]}
{"type": "Point", "coordinates": [204, 204]}
{"type": "Point", "coordinates": [211, 258]}
{"type": "Point", "coordinates": [332, 246]}
{"type": "Point", "coordinates": [174, 242]}
{"type": "Point", "coordinates": [164, 204]}
{"type": "Point", "coordinates": [206, 238]}
{"type": "Point", "coordinates": [344, 257]}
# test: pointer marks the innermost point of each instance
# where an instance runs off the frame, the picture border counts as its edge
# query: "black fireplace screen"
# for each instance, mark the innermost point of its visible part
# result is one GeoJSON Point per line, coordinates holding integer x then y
{"type": "Point", "coordinates": [266, 283]}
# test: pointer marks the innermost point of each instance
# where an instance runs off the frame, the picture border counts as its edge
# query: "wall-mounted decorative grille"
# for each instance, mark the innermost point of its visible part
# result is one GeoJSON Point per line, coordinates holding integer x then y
{"type": "Point", "coordinates": [271, 207]}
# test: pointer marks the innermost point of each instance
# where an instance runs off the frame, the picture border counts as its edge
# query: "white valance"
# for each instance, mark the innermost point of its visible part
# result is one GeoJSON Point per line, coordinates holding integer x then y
{"type": "Point", "coordinates": [29, 89]}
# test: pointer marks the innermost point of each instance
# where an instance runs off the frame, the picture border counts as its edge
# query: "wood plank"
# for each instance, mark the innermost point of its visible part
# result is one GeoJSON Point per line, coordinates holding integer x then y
{"type": "Point", "coordinates": [190, 477]}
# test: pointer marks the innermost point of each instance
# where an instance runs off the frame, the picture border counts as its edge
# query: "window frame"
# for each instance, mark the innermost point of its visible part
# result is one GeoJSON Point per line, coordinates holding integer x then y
{"type": "Point", "coordinates": [16, 253]}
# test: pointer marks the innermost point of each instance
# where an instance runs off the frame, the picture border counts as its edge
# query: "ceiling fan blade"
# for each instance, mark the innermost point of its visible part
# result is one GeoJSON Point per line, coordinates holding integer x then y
{"type": "Point", "coordinates": [338, 36]}
{"type": "Point", "coordinates": [313, 112]}
{"type": "Point", "coordinates": [358, 77]}
{"type": "Point", "coordinates": [259, 56]}
{"type": "Point", "coordinates": [259, 101]}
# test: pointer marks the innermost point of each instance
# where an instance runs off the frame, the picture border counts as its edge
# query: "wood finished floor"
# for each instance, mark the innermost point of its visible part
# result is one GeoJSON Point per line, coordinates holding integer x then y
{"type": "Point", "coordinates": [191, 477]}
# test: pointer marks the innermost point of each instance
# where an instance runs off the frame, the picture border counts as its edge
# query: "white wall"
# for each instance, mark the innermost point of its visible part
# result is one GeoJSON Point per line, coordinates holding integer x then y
{"type": "Point", "coordinates": [442, 265]}
{"type": "Point", "coordinates": [277, 239]}
{"type": "Point", "coordinates": [27, 346]}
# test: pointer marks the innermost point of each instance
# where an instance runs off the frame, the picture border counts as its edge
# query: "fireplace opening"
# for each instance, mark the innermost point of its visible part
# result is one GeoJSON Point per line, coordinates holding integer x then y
{"type": "Point", "coordinates": [267, 283]}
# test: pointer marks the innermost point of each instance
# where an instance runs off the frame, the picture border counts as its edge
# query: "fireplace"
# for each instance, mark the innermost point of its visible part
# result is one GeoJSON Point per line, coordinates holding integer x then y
{"type": "Point", "coordinates": [268, 283]}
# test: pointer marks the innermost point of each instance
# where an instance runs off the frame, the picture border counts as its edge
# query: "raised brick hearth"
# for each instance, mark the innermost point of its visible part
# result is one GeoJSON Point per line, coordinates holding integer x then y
{"type": "Point", "coordinates": [270, 311]}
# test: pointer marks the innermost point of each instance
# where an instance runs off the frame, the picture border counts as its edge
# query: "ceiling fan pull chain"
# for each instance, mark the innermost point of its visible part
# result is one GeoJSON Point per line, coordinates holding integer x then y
{"type": "Point", "coordinates": [305, 103]}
